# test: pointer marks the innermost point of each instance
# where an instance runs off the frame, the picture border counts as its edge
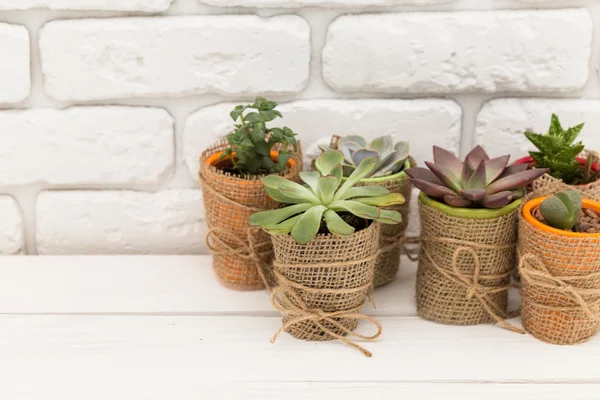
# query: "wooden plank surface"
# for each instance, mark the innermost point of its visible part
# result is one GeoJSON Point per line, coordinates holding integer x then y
{"type": "Point", "coordinates": [150, 285]}
{"type": "Point", "coordinates": [153, 327]}
{"type": "Point", "coordinates": [165, 351]}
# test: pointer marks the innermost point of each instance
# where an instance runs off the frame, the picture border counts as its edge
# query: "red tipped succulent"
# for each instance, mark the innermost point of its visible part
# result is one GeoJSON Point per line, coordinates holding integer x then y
{"type": "Point", "coordinates": [478, 182]}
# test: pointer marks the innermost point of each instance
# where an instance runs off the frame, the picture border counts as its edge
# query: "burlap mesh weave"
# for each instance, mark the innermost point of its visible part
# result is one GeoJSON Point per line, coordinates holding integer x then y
{"type": "Point", "coordinates": [464, 267]}
{"type": "Point", "coordinates": [324, 283]}
{"type": "Point", "coordinates": [560, 283]}
{"type": "Point", "coordinates": [240, 253]}
{"type": "Point", "coordinates": [590, 191]}
{"type": "Point", "coordinates": [392, 236]}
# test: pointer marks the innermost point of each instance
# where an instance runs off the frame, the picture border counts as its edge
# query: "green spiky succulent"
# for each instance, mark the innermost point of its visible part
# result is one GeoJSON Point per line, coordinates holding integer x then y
{"type": "Point", "coordinates": [322, 198]}
{"type": "Point", "coordinates": [558, 151]}
{"type": "Point", "coordinates": [478, 182]}
{"type": "Point", "coordinates": [390, 158]}
{"type": "Point", "coordinates": [562, 210]}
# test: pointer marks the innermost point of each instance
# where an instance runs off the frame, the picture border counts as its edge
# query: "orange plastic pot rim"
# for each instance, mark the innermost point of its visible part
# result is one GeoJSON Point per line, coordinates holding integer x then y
{"type": "Point", "coordinates": [214, 158]}
{"type": "Point", "coordinates": [531, 205]}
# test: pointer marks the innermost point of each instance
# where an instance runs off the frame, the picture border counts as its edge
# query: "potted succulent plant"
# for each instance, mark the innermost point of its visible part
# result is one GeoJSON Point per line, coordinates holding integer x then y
{"type": "Point", "coordinates": [559, 248]}
{"type": "Point", "coordinates": [392, 160]}
{"type": "Point", "coordinates": [230, 174]}
{"type": "Point", "coordinates": [468, 235]}
{"type": "Point", "coordinates": [567, 162]}
{"type": "Point", "coordinates": [326, 246]}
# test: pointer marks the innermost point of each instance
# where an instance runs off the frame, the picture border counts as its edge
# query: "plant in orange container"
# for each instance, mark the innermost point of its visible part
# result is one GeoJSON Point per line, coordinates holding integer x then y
{"type": "Point", "coordinates": [559, 246]}
{"type": "Point", "coordinates": [230, 173]}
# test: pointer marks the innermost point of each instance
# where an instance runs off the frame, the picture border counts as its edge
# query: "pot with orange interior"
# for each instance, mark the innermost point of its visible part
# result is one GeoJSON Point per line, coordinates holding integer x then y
{"type": "Point", "coordinates": [559, 250]}
{"type": "Point", "coordinates": [230, 173]}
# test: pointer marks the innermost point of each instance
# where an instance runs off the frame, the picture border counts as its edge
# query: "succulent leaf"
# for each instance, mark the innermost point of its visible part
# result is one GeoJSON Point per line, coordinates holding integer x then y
{"type": "Point", "coordinates": [389, 217]}
{"type": "Point", "coordinates": [480, 182]}
{"type": "Point", "coordinates": [390, 158]}
{"type": "Point", "coordinates": [447, 161]}
{"type": "Point", "coordinates": [515, 181]}
{"type": "Point", "coordinates": [478, 178]}
{"type": "Point", "coordinates": [494, 168]}
{"type": "Point", "coordinates": [326, 189]}
{"type": "Point", "coordinates": [558, 152]}
{"type": "Point", "coordinates": [327, 161]}
{"type": "Point", "coordinates": [311, 178]}
{"type": "Point", "coordinates": [445, 176]}
{"type": "Point", "coordinates": [308, 210]}
{"type": "Point", "coordinates": [337, 225]}
{"type": "Point", "coordinates": [562, 210]}
{"type": "Point", "coordinates": [365, 191]}
{"type": "Point", "coordinates": [476, 157]}
{"type": "Point", "coordinates": [308, 225]}
{"type": "Point", "coordinates": [382, 201]}
{"type": "Point", "coordinates": [362, 154]}
{"type": "Point", "coordinates": [498, 200]}
{"type": "Point", "coordinates": [276, 216]}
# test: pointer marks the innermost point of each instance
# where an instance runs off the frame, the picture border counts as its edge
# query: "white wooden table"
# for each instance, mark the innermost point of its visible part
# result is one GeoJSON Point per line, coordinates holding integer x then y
{"type": "Point", "coordinates": [154, 327]}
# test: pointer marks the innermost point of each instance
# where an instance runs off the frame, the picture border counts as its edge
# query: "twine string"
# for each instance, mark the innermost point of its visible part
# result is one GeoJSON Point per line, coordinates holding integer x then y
{"type": "Point", "coordinates": [289, 303]}
{"type": "Point", "coordinates": [472, 282]}
{"type": "Point", "coordinates": [535, 273]}
{"type": "Point", "coordinates": [219, 240]}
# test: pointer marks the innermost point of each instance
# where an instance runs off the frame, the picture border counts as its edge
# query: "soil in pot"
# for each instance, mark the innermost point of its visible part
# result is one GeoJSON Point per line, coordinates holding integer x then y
{"type": "Point", "coordinates": [588, 222]}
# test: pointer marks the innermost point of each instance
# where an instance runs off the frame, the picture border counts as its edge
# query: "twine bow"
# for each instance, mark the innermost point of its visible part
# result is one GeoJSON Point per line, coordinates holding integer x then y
{"type": "Point", "coordinates": [285, 299]}
{"type": "Point", "coordinates": [534, 272]}
{"type": "Point", "coordinates": [472, 283]}
{"type": "Point", "coordinates": [291, 305]}
{"type": "Point", "coordinates": [223, 242]}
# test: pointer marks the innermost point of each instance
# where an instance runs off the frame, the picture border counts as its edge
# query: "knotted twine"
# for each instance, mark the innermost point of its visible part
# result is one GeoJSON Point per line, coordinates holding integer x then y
{"type": "Point", "coordinates": [560, 283]}
{"type": "Point", "coordinates": [324, 283]}
{"type": "Point", "coordinates": [464, 269]}
{"type": "Point", "coordinates": [241, 255]}
{"type": "Point", "coordinates": [549, 183]}
{"type": "Point", "coordinates": [392, 235]}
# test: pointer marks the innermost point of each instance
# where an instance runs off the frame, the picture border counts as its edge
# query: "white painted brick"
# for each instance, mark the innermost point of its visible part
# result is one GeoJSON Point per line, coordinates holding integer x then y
{"type": "Point", "coordinates": [120, 222]}
{"type": "Point", "coordinates": [423, 123]}
{"type": "Point", "coordinates": [94, 59]}
{"type": "Point", "coordinates": [15, 80]}
{"type": "Point", "coordinates": [86, 145]}
{"type": "Point", "coordinates": [118, 5]}
{"type": "Point", "coordinates": [11, 227]}
{"type": "Point", "coordinates": [318, 3]}
{"type": "Point", "coordinates": [493, 51]}
{"type": "Point", "coordinates": [502, 122]}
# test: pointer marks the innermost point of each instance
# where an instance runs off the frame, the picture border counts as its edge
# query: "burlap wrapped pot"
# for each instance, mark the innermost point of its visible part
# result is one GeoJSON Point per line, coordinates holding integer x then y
{"type": "Point", "coordinates": [392, 236]}
{"type": "Point", "coordinates": [465, 263]}
{"type": "Point", "coordinates": [324, 283]}
{"type": "Point", "coordinates": [548, 183]}
{"type": "Point", "coordinates": [242, 255]}
{"type": "Point", "coordinates": [560, 279]}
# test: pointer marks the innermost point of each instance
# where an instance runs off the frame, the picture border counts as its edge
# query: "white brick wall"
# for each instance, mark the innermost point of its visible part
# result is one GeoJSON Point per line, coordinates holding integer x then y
{"type": "Point", "coordinates": [174, 56]}
{"type": "Point", "coordinates": [105, 105]}
{"type": "Point", "coordinates": [15, 78]}
{"type": "Point", "coordinates": [124, 5]}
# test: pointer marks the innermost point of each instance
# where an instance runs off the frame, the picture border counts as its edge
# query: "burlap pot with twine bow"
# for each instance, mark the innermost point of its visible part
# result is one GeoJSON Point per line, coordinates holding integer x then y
{"type": "Point", "coordinates": [560, 279]}
{"type": "Point", "coordinates": [324, 283]}
{"type": "Point", "coordinates": [242, 255]}
{"type": "Point", "coordinates": [549, 183]}
{"type": "Point", "coordinates": [465, 265]}
{"type": "Point", "coordinates": [392, 236]}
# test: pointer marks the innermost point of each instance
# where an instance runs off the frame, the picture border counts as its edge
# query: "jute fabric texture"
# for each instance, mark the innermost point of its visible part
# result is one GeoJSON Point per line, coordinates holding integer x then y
{"type": "Point", "coordinates": [560, 283]}
{"type": "Point", "coordinates": [549, 183]}
{"type": "Point", "coordinates": [464, 269]}
{"type": "Point", "coordinates": [324, 283]}
{"type": "Point", "coordinates": [392, 236]}
{"type": "Point", "coordinates": [242, 255]}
